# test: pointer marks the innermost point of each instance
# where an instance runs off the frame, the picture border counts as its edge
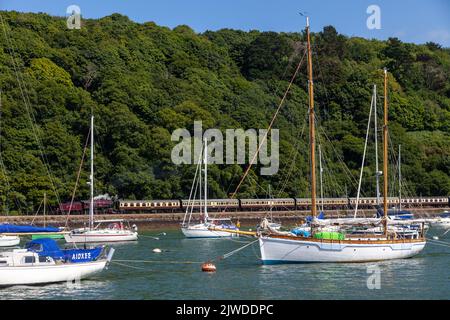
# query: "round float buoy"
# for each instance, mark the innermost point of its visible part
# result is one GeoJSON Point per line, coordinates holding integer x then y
{"type": "Point", "coordinates": [157, 250]}
{"type": "Point", "coordinates": [208, 267]}
{"type": "Point", "coordinates": [435, 238]}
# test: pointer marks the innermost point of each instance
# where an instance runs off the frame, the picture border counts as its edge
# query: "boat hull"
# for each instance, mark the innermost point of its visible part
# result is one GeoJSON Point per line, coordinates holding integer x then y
{"type": "Point", "coordinates": [281, 250]}
{"type": "Point", "coordinates": [9, 241]}
{"type": "Point", "coordinates": [93, 237]}
{"type": "Point", "coordinates": [205, 233]}
{"type": "Point", "coordinates": [33, 275]}
{"type": "Point", "coordinates": [441, 224]}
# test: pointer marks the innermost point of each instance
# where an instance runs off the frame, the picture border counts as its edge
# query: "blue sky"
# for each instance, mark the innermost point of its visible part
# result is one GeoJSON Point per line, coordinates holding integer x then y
{"type": "Point", "coordinates": [415, 21]}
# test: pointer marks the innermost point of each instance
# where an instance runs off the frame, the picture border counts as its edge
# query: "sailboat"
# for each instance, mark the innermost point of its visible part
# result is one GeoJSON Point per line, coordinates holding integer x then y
{"type": "Point", "coordinates": [115, 231]}
{"type": "Point", "coordinates": [42, 261]}
{"type": "Point", "coordinates": [203, 229]}
{"type": "Point", "coordinates": [404, 229]}
{"type": "Point", "coordinates": [337, 246]}
{"type": "Point", "coordinates": [442, 221]}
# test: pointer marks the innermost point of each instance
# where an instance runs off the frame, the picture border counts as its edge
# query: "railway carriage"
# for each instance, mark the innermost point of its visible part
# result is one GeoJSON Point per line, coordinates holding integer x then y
{"type": "Point", "coordinates": [214, 205]}
{"type": "Point", "coordinates": [282, 204]}
{"type": "Point", "coordinates": [267, 204]}
{"type": "Point", "coordinates": [149, 206]}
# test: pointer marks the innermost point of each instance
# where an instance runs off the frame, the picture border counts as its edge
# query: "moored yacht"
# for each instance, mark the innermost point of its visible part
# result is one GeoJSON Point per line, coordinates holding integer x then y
{"type": "Point", "coordinates": [442, 221]}
{"type": "Point", "coordinates": [115, 230]}
{"type": "Point", "coordinates": [336, 246]}
{"type": "Point", "coordinates": [42, 261]}
{"type": "Point", "coordinates": [204, 228]}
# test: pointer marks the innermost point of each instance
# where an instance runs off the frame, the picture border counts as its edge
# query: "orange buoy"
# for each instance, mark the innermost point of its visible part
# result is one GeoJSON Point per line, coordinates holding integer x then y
{"type": "Point", "coordinates": [208, 267]}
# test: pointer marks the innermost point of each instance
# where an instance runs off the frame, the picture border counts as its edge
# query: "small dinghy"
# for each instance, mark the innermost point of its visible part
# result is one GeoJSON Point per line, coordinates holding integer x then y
{"type": "Point", "coordinates": [43, 261]}
{"type": "Point", "coordinates": [9, 241]}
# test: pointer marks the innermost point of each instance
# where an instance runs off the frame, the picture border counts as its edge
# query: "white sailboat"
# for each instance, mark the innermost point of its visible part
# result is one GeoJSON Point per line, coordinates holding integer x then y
{"type": "Point", "coordinates": [336, 246]}
{"type": "Point", "coordinates": [115, 231]}
{"type": "Point", "coordinates": [442, 221]}
{"type": "Point", "coordinates": [204, 228]}
{"type": "Point", "coordinates": [42, 261]}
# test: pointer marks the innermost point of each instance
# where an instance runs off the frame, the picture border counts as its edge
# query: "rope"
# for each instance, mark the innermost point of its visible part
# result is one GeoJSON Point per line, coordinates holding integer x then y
{"type": "Point", "coordinates": [161, 261]}
{"type": "Point", "coordinates": [439, 243]}
{"type": "Point", "coordinates": [78, 177]}
{"type": "Point", "coordinates": [363, 158]}
{"type": "Point", "coordinates": [128, 266]}
{"type": "Point", "coordinates": [24, 94]}
{"type": "Point", "coordinates": [263, 140]}
{"type": "Point", "coordinates": [151, 237]}
{"type": "Point", "coordinates": [229, 254]}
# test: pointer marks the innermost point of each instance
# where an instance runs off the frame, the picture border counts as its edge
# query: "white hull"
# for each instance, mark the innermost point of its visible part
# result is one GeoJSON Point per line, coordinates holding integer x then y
{"type": "Point", "coordinates": [201, 231]}
{"type": "Point", "coordinates": [441, 223]}
{"type": "Point", "coordinates": [9, 241]}
{"type": "Point", "coordinates": [99, 236]}
{"type": "Point", "coordinates": [276, 250]}
{"type": "Point", "coordinates": [25, 275]}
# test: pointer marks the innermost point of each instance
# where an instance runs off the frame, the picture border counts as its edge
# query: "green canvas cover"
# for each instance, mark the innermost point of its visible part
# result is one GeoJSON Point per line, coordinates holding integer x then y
{"type": "Point", "coordinates": [329, 235]}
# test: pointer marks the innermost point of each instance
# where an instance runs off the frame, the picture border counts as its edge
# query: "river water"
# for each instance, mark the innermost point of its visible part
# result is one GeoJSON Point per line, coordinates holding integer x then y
{"type": "Point", "coordinates": [175, 273]}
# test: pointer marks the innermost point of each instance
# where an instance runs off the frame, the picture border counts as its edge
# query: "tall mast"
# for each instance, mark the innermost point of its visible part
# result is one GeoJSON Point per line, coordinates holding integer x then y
{"type": "Point", "coordinates": [45, 204]}
{"type": "Point", "coordinates": [377, 170]}
{"type": "Point", "coordinates": [312, 142]}
{"type": "Point", "coordinates": [91, 178]}
{"type": "Point", "coordinates": [400, 176]}
{"type": "Point", "coordinates": [205, 157]}
{"type": "Point", "coordinates": [320, 174]}
{"type": "Point", "coordinates": [385, 155]}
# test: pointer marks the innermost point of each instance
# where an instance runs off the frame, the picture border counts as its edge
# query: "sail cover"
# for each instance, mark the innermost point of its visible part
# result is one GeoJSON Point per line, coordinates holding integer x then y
{"type": "Point", "coordinates": [13, 228]}
{"type": "Point", "coordinates": [49, 247]}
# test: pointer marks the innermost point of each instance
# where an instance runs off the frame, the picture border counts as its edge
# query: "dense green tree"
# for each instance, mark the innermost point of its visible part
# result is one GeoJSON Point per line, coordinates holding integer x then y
{"type": "Point", "coordinates": [142, 81]}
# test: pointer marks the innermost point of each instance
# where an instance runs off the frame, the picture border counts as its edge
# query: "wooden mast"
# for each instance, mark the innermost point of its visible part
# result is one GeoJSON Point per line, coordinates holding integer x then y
{"type": "Point", "coordinates": [385, 155]}
{"type": "Point", "coordinates": [312, 142]}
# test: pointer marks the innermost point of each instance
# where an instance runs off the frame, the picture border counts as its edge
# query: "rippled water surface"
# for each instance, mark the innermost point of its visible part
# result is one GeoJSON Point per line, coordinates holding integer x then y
{"type": "Point", "coordinates": [162, 276]}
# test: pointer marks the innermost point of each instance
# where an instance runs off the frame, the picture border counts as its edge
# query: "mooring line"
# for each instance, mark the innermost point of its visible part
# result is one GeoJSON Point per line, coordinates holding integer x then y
{"type": "Point", "coordinates": [151, 237]}
{"type": "Point", "coordinates": [161, 261]}
{"type": "Point", "coordinates": [436, 240]}
{"type": "Point", "coordinates": [125, 265]}
{"type": "Point", "coordinates": [439, 243]}
{"type": "Point", "coordinates": [229, 254]}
